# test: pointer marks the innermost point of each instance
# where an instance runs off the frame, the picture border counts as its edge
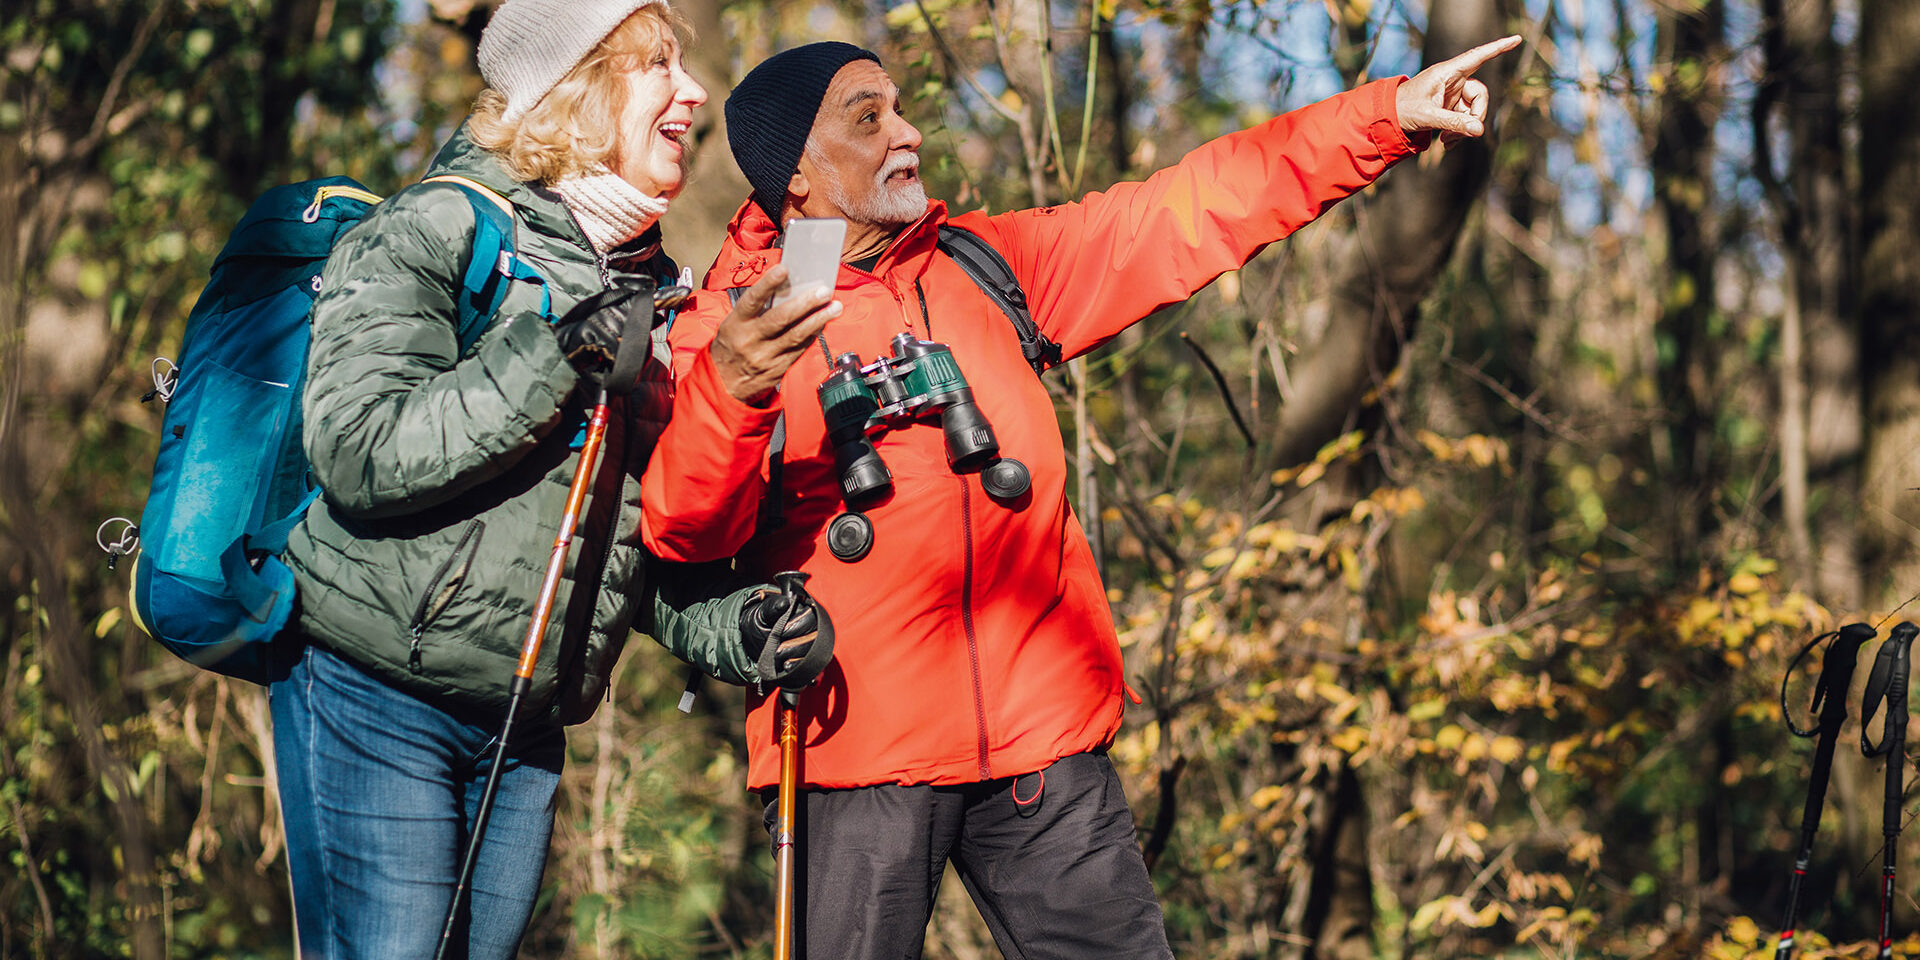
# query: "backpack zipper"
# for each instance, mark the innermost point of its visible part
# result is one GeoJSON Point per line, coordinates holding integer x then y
{"type": "Point", "coordinates": [326, 193]}
{"type": "Point", "coordinates": [434, 599]}
{"type": "Point", "coordinates": [966, 619]}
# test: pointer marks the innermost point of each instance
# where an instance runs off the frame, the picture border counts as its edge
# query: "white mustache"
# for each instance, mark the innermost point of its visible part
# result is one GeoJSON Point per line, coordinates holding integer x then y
{"type": "Point", "coordinates": [905, 161]}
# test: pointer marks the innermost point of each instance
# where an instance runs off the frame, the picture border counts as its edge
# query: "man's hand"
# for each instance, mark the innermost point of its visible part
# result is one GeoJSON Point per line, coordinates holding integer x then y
{"type": "Point", "coordinates": [756, 343]}
{"type": "Point", "coordinates": [1445, 99]}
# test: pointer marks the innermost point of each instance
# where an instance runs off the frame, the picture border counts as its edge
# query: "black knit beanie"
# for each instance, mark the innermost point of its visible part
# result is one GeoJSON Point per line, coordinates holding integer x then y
{"type": "Point", "coordinates": [770, 114]}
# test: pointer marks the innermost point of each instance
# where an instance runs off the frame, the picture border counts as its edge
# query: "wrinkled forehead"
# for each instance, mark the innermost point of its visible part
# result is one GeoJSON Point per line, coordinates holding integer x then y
{"type": "Point", "coordinates": [859, 84]}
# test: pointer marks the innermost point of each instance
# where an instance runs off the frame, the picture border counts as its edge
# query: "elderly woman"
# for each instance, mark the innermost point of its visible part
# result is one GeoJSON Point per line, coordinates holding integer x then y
{"type": "Point", "coordinates": [446, 472]}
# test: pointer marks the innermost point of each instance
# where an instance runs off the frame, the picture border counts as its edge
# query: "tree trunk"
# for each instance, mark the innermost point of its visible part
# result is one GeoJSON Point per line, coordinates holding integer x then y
{"type": "Point", "coordinates": [1690, 52]}
{"type": "Point", "coordinates": [1406, 235]}
{"type": "Point", "coordinates": [1819, 376]}
{"type": "Point", "coordinates": [1889, 285]}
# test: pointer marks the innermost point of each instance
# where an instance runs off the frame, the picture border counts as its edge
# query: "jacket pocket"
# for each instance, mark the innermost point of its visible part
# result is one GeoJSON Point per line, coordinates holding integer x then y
{"type": "Point", "coordinates": [442, 586]}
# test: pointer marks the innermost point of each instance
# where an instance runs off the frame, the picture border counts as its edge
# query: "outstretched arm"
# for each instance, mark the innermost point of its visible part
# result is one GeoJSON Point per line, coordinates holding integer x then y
{"type": "Point", "coordinates": [1092, 268]}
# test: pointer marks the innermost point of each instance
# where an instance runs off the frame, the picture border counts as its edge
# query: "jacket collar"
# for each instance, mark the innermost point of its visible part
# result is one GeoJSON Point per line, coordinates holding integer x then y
{"type": "Point", "coordinates": [540, 209]}
{"type": "Point", "coordinates": [753, 243]}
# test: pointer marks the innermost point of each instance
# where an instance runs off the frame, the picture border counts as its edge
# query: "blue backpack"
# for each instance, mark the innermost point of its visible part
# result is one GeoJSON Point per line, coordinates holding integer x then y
{"type": "Point", "coordinates": [231, 479]}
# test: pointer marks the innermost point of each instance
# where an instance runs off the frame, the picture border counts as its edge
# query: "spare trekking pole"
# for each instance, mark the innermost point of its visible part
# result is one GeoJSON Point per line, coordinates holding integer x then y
{"type": "Point", "coordinates": [786, 711]}
{"type": "Point", "coordinates": [636, 336]}
{"type": "Point", "coordinates": [1888, 682]}
{"type": "Point", "coordinates": [1830, 703]}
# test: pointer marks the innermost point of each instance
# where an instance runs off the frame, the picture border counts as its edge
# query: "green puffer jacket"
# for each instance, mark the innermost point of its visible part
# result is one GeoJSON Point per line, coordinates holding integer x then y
{"type": "Point", "coordinates": [445, 477]}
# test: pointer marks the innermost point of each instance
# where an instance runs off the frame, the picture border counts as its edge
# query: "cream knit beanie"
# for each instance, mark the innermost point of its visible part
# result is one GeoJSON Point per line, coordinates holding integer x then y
{"type": "Point", "coordinates": [529, 45]}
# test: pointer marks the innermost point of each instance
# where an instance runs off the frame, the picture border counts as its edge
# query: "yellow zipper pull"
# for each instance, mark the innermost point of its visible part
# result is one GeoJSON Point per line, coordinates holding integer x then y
{"type": "Point", "coordinates": [320, 196]}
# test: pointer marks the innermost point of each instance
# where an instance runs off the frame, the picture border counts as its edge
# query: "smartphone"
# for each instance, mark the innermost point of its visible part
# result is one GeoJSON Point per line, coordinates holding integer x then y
{"type": "Point", "coordinates": [811, 251]}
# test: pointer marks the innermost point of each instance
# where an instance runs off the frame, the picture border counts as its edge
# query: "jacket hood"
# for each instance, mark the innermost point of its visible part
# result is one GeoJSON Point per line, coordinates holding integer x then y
{"type": "Point", "coordinates": [539, 208]}
{"type": "Point", "coordinates": [753, 245]}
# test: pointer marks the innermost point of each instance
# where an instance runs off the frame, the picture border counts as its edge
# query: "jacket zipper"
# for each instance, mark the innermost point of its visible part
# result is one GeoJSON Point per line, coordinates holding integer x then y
{"type": "Point", "coordinates": [435, 598]}
{"type": "Point", "coordinates": [966, 619]}
{"type": "Point", "coordinates": [599, 259]}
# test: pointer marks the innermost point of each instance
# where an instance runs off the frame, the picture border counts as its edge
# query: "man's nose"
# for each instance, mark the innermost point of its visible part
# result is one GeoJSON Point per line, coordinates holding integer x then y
{"type": "Point", "coordinates": [906, 136]}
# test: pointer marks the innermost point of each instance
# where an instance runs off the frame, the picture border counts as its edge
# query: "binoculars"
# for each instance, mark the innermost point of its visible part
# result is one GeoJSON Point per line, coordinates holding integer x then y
{"type": "Point", "coordinates": [922, 379]}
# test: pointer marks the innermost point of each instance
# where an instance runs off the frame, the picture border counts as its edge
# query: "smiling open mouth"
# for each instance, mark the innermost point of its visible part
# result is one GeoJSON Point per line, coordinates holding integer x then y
{"type": "Point", "coordinates": [674, 131]}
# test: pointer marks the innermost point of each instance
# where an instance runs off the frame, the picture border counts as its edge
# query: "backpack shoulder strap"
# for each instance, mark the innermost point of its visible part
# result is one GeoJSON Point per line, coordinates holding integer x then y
{"type": "Point", "coordinates": [990, 272]}
{"type": "Point", "coordinates": [492, 264]}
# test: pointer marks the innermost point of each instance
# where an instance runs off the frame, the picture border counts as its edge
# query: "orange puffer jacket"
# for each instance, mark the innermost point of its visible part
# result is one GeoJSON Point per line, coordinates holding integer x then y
{"type": "Point", "coordinates": [974, 641]}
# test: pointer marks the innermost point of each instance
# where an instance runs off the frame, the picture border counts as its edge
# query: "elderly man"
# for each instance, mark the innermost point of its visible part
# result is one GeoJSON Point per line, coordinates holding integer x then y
{"type": "Point", "coordinates": [978, 678]}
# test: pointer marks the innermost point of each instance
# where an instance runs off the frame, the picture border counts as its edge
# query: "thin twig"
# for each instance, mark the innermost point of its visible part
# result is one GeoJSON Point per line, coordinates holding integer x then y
{"type": "Point", "coordinates": [1087, 96]}
{"type": "Point", "coordinates": [1517, 402]}
{"type": "Point", "coordinates": [1220, 381]}
{"type": "Point", "coordinates": [952, 61]}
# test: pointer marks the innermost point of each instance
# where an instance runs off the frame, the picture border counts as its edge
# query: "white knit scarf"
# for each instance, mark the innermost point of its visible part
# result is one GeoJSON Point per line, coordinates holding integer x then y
{"type": "Point", "coordinates": [611, 210]}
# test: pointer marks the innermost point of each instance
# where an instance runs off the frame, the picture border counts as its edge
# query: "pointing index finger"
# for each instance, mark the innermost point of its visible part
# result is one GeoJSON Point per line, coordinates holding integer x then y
{"type": "Point", "coordinates": [1477, 57]}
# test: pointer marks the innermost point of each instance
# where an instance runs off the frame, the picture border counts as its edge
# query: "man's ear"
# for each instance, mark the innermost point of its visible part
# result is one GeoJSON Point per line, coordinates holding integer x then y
{"type": "Point", "coordinates": [798, 188]}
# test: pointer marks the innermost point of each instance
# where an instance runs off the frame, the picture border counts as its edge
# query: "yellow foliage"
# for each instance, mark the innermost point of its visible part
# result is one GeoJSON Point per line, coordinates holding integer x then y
{"type": "Point", "coordinates": [1473, 747]}
{"type": "Point", "coordinates": [1350, 569]}
{"type": "Point", "coordinates": [1342, 446]}
{"type": "Point", "coordinates": [1429, 709]}
{"type": "Point", "coordinates": [1310, 473]}
{"type": "Point", "coordinates": [1544, 917]}
{"type": "Point", "coordinates": [1429, 912]}
{"type": "Point", "coordinates": [1585, 848]}
{"type": "Point", "coordinates": [1350, 739]}
{"type": "Point", "coordinates": [1506, 749]}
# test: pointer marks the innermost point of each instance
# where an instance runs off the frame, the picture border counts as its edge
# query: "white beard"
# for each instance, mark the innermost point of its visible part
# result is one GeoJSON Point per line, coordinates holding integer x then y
{"type": "Point", "coordinates": [889, 203]}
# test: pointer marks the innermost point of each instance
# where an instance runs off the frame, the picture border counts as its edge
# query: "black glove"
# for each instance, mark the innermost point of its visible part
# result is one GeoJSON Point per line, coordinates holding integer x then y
{"type": "Point", "coordinates": [787, 634]}
{"type": "Point", "coordinates": [606, 336]}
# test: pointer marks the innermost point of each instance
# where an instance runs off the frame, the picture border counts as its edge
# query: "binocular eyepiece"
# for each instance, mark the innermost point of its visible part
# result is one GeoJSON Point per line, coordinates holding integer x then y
{"type": "Point", "coordinates": [921, 379]}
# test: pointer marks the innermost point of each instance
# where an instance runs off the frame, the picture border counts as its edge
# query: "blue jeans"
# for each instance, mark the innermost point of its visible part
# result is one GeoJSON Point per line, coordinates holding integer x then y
{"type": "Point", "coordinates": [379, 791]}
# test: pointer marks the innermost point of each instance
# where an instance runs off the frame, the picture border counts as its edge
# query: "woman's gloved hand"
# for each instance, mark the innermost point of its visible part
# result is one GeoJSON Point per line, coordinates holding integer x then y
{"type": "Point", "coordinates": [606, 336]}
{"type": "Point", "coordinates": [787, 634]}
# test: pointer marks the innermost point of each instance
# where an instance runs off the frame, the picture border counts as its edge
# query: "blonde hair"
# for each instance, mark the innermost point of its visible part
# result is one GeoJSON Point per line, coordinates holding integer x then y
{"type": "Point", "coordinates": [575, 127]}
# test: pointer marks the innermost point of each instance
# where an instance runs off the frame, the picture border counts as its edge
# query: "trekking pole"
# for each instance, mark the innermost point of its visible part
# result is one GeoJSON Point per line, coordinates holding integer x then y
{"type": "Point", "coordinates": [1888, 682]}
{"type": "Point", "coordinates": [786, 712]}
{"type": "Point", "coordinates": [799, 614]}
{"type": "Point", "coordinates": [636, 333]}
{"type": "Point", "coordinates": [1830, 703]}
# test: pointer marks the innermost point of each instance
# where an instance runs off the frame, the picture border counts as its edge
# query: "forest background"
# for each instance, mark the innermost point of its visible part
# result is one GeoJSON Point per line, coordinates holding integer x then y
{"type": "Point", "coordinates": [1458, 544]}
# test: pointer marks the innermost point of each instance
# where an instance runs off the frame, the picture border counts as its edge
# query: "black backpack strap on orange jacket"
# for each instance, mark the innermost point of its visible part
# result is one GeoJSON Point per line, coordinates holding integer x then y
{"type": "Point", "coordinates": [989, 270]}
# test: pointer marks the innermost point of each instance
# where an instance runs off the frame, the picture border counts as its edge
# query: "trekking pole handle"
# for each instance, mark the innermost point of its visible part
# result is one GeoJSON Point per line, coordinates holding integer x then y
{"type": "Point", "coordinates": [1836, 673]}
{"type": "Point", "coordinates": [1888, 684]}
